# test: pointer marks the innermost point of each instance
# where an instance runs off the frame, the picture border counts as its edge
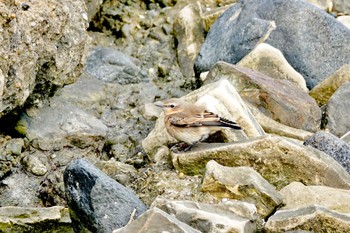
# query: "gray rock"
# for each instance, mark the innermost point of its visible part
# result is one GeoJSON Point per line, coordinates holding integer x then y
{"type": "Point", "coordinates": [241, 183]}
{"type": "Point", "coordinates": [331, 145]}
{"type": "Point", "coordinates": [98, 203]}
{"type": "Point", "coordinates": [10, 151]}
{"type": "Point", "coordinates": [338, 111]}
{"type": "Point", "coordinates": [298, 25]}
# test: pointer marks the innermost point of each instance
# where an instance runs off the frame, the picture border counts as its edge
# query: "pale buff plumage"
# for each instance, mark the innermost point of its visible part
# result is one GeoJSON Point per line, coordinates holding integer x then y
{"type": "Point", "coordinates": [190, 123]}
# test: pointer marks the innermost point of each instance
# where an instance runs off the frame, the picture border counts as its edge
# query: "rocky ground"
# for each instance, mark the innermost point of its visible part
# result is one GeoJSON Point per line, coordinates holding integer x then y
{"type": "Point", "coordinates": [78, 79]}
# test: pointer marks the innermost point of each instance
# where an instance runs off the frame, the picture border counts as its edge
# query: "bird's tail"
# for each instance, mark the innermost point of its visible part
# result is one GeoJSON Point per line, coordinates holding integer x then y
{"type": "Point", "coordinates": [228, 123]}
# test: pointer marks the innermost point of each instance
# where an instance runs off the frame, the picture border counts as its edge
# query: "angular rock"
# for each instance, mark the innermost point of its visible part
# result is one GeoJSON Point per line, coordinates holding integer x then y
{"type": "Point", "coordinates": [278, 99]}
{"type": "Point", "coordinates": [290, 26]}
{"type": "Point", "coordinates": [19, 219]}
{"type": "Point", "coordinates": [219, 97]}
{"type": "Point", "coordinates": [156, 220]}
{"type": "Point", "coordinates": [43, 47]}
{"type": "Point", "coordinates": [271, 62]}
{"type": "Point", "coordinates": [331, 145]}
{"type": "Point", "coordinates": [97, 203]}
{"type": "Point", "coordinates": [279, 160]}
{"type": "Point", "coordinates": [345, 19]}
{"type": "Point", "coordinates": [241, 183]}
{"type": "Point", "coordinates": [297, 195]}
{"type": "Point", "coordinates": [337, 112]}
{"type": "Point", "coordinates": [314, 218]}
{"type": "Point", "coordinates": [231, 216]}
{"type": "Point", "coordinates": [325, 89]}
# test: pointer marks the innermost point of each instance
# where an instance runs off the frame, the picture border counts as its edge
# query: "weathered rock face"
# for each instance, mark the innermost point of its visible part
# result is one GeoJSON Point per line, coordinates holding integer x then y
{"type": "Point", "coordinates": [43, 46]}
{"type": "Point", "coordinates": [98, 203]}
{"type": "Point", "coordinates": [290, 26]}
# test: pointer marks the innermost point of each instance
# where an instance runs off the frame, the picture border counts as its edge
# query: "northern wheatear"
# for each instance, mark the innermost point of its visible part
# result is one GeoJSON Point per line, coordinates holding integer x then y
{"type": "Point", "coordinates": [190, 123]}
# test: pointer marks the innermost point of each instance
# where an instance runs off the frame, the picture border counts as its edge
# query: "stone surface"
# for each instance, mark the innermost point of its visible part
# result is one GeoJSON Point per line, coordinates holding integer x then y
{"type": "Point", "coordinates": [156, 220]}
{"type": "Point", "coordinates": [337, 112]}
{"type": "Point", "coordinates": [10, 151]}
{"type": "Point", "coordinates": [331, 145]}
{"type": "Point", "coordinates": [325, 5]}
{"type": "Point", "coordinates": [43, 47]}
{"type": "Point", "coordinates": [279, 160]}
{"type": "Point", "coordinates": [345, 19]}
{"type": "Point", "coordinates": [241, 183]}
{"type": "Point", "coordinates": [18, 219]}
{"type": "Point", "coordinates": [271, 62]}
{"type": "Point", "coordinates": [296, 195]}
{"type": "Point", "coordinates": [342, 6]}
{"type": "Point", "coordinates": [324, 90]}
{"type": "Point", "coordinates": [277, 99]}
{"type": "Point", "coordinates": [231, 216]}
{"type": "Point", "coordinates": [314, 218]}
{"type": "Point", "coordinates": [93, 7]}
{"type": "Point", "coordinates": [98, 203]}
{"type": "Point", "coordinates": [290, 26]}
{"type": "Point", "coordinates": [219, 97]}
{"type": "Point", "coordinates": [34, 165]}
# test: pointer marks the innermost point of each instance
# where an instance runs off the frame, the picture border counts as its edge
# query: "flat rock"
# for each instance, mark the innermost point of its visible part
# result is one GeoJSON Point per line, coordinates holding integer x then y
{"type": "Point", "coordinates": [98, 203]}
{"type": "Point", "coordinates": [280, 100]}
{"type": "Point", "coordinates": [331, 145]}
{"type": "Point", "coordinates": [337, 112]}
{"type": "Point", "coordinates": [290, 26]}
{"type": "Point", "coordinates": [314, 218]}
{"type": "Point", "coordinates": [279, 160]}
{"type": "Point", "coordinates": [241, 183]}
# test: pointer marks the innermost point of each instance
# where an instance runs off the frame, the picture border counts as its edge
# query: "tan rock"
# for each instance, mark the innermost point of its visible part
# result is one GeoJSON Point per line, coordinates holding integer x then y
{"type": "Point", "coordinates": [241, 183]}
{"type": "Point", "coordinates": [324, 90]}
{"type": "Point", "coordinates": [345, 19]}
{"type": "Point", "coordinates": [323, 4]}
{"type": "Point", "coordinates": [271, 62]}
{"type": "Point", "coordinates": [279, 160]}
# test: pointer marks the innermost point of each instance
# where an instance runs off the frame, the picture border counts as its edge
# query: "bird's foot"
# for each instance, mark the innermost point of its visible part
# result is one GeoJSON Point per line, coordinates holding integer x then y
{"type": "Point", "coordinates": [180, 147]}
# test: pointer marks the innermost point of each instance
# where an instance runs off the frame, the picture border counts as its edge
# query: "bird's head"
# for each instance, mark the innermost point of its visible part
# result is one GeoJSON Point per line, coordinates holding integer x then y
{"type": "Point", "coordinates": [171, 106]}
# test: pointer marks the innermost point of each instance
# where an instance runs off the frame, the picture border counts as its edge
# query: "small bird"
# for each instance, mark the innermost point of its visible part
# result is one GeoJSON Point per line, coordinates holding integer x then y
{"type": "Point", "coordinates": [190, 123]}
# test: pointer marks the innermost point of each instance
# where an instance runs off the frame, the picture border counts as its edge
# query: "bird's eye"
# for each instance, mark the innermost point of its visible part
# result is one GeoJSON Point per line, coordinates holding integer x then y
{"type": "Point", "coordinates": [172, 105]}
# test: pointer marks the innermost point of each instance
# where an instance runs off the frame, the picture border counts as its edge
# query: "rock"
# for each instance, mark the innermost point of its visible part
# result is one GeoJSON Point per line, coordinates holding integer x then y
{"type": "Point", "coordinates": [156, 220]}
{"type": "Point", "coordinates": [241, 183]}
{"type": "Point", "coordinates": [325, 89]}
{"type": "Point", "coordinates": [342, 6]}
{"type": "Point", "coordinates": [19, 219]}
{"type": "Point", "coordinates": [93, 7]}
{"type": "Point", "coordinates": [271, 62]}
{"type": "Point", "coordinates": [345, 19]}
{"type": "Point", "coordinates": [337, 112]}
{"type": "Point", "coordinates": [212, 217]}
{"type": "Point", "coordinates": [246, 24]}
{"type": "Point", "coordinates": [296, 195]}
{"type": "Point", "coordinates": [34, 165]}
{"type": "Point", "coordinates": [278, 99]}
{"type": "Point", "coordinates": [331, 145]}
{"type": "Point", "coordinates": [97, 203]}
{"type": "Point", "coordinates": [279, 160]}
{"type": "Point", "coordinates": [219, 97]}
{"type": "Point", "coordinates": [314, 218]}
{"type": "Point", "coordinates": [42, 49]}
{"type": "Point", "coordinates": [110, 65]}
{"type": "Point", "coordinates": [10, 151]}
{"type": "Point", "coordinates": [325, 5]}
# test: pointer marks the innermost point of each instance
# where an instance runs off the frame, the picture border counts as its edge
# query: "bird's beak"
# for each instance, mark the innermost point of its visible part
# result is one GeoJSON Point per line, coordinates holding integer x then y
{"type": "Point", "coordinates": [159, 104]}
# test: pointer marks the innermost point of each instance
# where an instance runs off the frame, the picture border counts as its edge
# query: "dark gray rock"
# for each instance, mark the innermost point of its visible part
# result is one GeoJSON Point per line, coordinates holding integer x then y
{"type": "Point", "coordinates": [313, 42]}
{"type": "Point", "coordinates": [98, 203]}
{"type": "Point", "coordinates": [331, 145]}
{"type": "Point", "coordinates": [110, 65]}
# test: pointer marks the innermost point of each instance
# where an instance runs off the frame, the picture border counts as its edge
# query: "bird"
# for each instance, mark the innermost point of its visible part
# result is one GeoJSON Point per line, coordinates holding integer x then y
{"type": "Point", "coordinates": [191, 123]}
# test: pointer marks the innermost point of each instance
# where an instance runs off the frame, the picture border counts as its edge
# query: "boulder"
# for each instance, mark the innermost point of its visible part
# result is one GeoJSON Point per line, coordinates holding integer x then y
{"type": "Point", "coordinates": [97, 203]}
{"type": "Point", "coordinates": [331, 145]}
{"type": "Point", "coordinates": [279, 160]}
{"type": "Point", "coordinates": [241, 183]}
{"type": "Point", "coordinates": [289, 26]}
{"type": "Point", "coordinates": [280, 100]}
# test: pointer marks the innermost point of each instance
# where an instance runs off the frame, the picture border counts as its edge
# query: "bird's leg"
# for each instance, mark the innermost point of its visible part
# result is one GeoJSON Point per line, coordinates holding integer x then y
{"type": "Point", "coordinates": [181, 146]}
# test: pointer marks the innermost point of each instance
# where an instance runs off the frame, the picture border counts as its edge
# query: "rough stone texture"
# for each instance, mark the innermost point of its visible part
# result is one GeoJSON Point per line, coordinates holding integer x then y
{"type": "Point", "coordinates": [331, 145]}
{"type": "Point", "coordinates": [296, 195]}
{"type": "Point", "coordinates": [93, 7]}
{"type": "Point", "coordinates": [10, 151]}
{"type": "Point", "coordinates": [325, 5]}
{"type": "Point", "coordinates": [314, 218]}
{"type": "Point", "coordinates": [156, 220]}
{"type": "Point", "coordinates": [42, 47]}
{"type": "Point", "coordinates": [18, 219]}
{"type": "Point", "coordinates": [231, 216]}
{"type": "Point", "coordinates": [302, 32]}
{"type": "Point", "coordinates": [241, 183]}
{"type": "Point", "coordinates": [98, 203]}
{"type": "Point", "coordinates": [279, 160]}
{"type": "Point", "coordinates": [337, 112]}
{"type": "Point", "coordinates": [219, 97]}
{"type": "Point", "coordinates": [345, 19]}
{"type": "Point", "coordinates": [342, 6]}
{"type": "Point", "coordinates": [325, 89]}
{"type": "Point", "coordinates": [271, 62]}
{"type": "Point", "coordinates": [279, 99]}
